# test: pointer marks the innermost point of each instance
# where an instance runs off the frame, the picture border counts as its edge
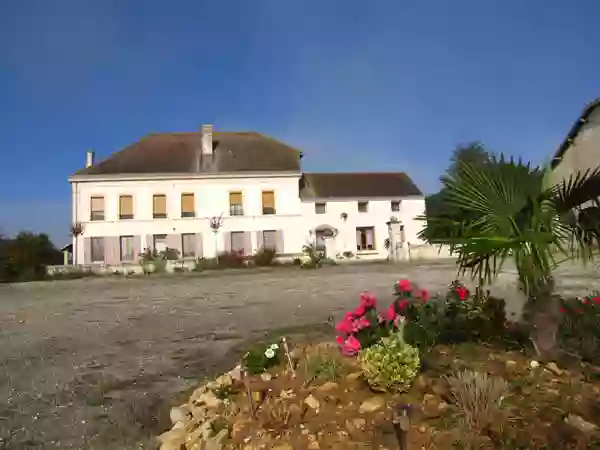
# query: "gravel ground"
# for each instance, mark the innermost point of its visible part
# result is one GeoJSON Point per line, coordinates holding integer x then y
{"type": "Point", "coordinates": [95, 363]}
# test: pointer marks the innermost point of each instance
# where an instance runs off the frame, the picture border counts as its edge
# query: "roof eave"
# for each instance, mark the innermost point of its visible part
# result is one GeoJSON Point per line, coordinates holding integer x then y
{"type": "Point", "coordinates": [182, 176]}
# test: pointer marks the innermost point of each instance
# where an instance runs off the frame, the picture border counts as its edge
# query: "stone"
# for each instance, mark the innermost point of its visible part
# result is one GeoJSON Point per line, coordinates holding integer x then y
{"type": "Point", "coordinates": [312, 402]}
{"type": "Point", "coordinates": [510, 363]}
{"type": "Point", "coordinates": [180, 414]}
{"type": "Point", "coordinates": [209, 399]}
{"type": "Point", "coordinates": [216, 442]}
{"type": "Point", "coordinates": [421, 382]}
{"type": "Point", "coordinates": [173, 439]}
{"type": "Point", "coordinates": [534, 364]}
{"type": "Point", "coordinates": [313, 445]}
{"type": "Point", "coordinates": [354, 377]}
{"type": "Point", "coordinates": [328, 387]}
{"type": "Point", "coordinates": [236, 373]}
{"type": "Point", "coordinates": [372, 404]}
{"type": "Point", "coordinates": [356, 424]}
{"type": "Point", "coordinates": [580, 423]}
{"type": "Point", "coordinates": [266, 376]}
{"type": "Point", "coordinates": [287, 393]}
{"type": "Point", "coordinates": [554, 369]}
{"type": "Point", "coordinates": [225, 380]}
{"type": "Point", "coordinates": [282, 447]}
{"type": "Point", "coordinates": [422, 429]}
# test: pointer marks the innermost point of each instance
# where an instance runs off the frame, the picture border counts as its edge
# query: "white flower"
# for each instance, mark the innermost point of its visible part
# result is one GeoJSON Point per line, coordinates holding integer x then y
{"type": "Point", "coordinates": [534, 364]}
{"type": "Point", "coordinates": [274, 347]}
{"type": "Point", "coordinates": [270, 353]}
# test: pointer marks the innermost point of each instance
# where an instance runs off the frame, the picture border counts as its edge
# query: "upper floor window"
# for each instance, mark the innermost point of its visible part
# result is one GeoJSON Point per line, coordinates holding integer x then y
{"type": "Point", "coordinates": [363, 207]}
{"type": "Point", "coordinates": [187, 205]}
{"type": "Point", "coordinates": [159, 206]}
{"type": "Point", "coordinates": [268, 202]}
{"type": "Point", "coordinates": [320, 208]}
{"type": "Point", "coordinates": [97, 208]}
{"type": "Point", "coordinates": [395, 205]}
{"type": "Point", "coordinates": [126, 207]}
{"type": "Point", "coordinates": [236, 206]}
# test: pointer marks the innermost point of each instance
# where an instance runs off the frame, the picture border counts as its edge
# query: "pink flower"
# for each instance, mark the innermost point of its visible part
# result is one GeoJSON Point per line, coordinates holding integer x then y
{"type": "Point", "coordinates": [367, 300]}
{"type": "Point", "coordinates": [363, 322]}
{"type": "Point", "coordinates": [596, 300]}
{"type": "Point", "coordinates": [345, 326]}
{"type": "Point", "coordinates": [390, 313]}
{"type": "Point", "coordinates": [351, 346]}
{"type": "Point", "coordinates": [462, 292]}
{"type": "Point", "coordinates": [403, 304]}
{"type": "Point", "coordinates": [360, 310]}
{"type": "Point", "coordinates": [425, 295]}
{"type": "Point", "coordinates": [404, 285]}
{"type": "Point", "coordinates": [398, 320]}
{"type": "Point", "coordinates": [339, 340]}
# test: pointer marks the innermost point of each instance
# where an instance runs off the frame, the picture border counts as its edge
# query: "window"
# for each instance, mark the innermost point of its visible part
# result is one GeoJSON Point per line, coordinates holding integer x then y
{"type": "Point", "coordinates": [97, 249]}
{"type": "Point", "coordinates": [188, 245]}
{"type": "Point", "coordinates": [160, 242]}
{"type": "Point", "coordinates": [126, 248]}
{"type": "Point", "coordinates": [320, 208]}
{"type": "Point", "coordinates": [268, 202]}
{"type": "Point", "coordinates": [125, 207]}
{"type": "Point", "coordinates": [269, 239]}
{"type": "Point", "coordinates": [363, 207]}
{"type": "Point", "coordinates": [187, 205]}
{"type": "Point", "coordinates": [237, 241]}
{"type": "Point", "coordinates": [365, 238]}
{"type": "Point", "coordinates": [236, 206]}
{"type": "Point", "coordinates": [395, 205]}
{"type": "Point", "coordinates": [97, 208]}
{"type": "Point", "coordinates": [159, 206]}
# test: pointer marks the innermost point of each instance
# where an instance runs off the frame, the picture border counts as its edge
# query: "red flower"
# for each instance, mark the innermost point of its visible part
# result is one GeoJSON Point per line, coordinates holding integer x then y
{"type": "Point", "coordinates": [404, 286]}
{"type": "Point", "coordinates": [346, 326]}
{"type": "Point", "coordinates": [351, 346]}
{"type": "Point", "coordinates": [360, 310]}
{"type": "Point", "coordinates": [586, 301]}
{"type": "Point", "coordinates": [425, 295]}
{"type": "Point", "coordinates": [363, 322]}
{"type": "Point", "coordinates": [339, 340]}
{"type": "Point", "coordinates": [368, 300]}
{"type": "Point", "coordinates": [403, 304]}
{"type": "Point", "coordinates": [462, 292]}
{"type": "Point", "coordinates": [562, 309]}
{"type": "Point", "coordinates": [390, 313]}
{"type": "Point", "coordinates": [596, 300]}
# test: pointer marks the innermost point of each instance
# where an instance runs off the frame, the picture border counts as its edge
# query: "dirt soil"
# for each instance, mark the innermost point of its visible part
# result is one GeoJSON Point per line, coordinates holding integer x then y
{"type": "Point", "coordinates": [96, 363]}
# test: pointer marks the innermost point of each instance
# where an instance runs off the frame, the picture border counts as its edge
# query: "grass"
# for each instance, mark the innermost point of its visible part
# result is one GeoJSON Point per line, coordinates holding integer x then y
{"type": "Point", "coordinates": [324, 367]}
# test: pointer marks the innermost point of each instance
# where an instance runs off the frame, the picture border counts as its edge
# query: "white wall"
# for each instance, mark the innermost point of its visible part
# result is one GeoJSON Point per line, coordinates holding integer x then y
{"type": "Point", "coordinates": [292, 216]}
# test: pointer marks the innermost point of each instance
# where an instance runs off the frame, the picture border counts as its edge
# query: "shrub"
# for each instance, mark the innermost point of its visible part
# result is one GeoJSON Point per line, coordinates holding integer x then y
{"type": "Point", "coordinates": [315, 257]}
{"type": "Point", "coordinates": [297, 261]}
{"type": "Point", "coordinates": [261, 358]}
{"type": "Point", "coordinates": [479, 396]}
{"type": "Point", "coordinates": [579, 332]}
{"type": "Point", "coordinates": [232, 260]}
{"type": "Point", "coordinates": [264, 256]}
{"type": "Point", "coordinates": [324, 367]}
{"type": "Point", "coordinates": [390, 365]}
{"type": "Point", "coordinates": [201, 264]}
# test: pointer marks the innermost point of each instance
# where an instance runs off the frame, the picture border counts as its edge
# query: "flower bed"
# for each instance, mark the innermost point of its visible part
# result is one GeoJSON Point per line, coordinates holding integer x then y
{"type": "Point", "coordinates": [436, 371]}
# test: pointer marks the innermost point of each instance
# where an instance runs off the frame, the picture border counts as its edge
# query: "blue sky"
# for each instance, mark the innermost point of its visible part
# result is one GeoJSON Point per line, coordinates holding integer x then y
{"type": "Point", "coordinates": [356, 85]}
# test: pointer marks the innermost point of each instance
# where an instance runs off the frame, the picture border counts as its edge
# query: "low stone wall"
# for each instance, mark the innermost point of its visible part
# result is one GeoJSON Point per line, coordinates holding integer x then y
{"type": "Point", "coordinates": [426, 251]}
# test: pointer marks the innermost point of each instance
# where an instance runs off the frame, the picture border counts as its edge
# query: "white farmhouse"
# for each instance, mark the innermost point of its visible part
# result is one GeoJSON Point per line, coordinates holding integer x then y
{"type": "Point", "coordinates": [167, 189]}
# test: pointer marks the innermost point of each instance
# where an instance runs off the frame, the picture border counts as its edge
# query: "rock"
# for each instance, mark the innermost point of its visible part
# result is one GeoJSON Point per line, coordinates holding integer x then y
{"type": "Point", "coordinates": [239, 427]}
{"type": "Point", "coordinates": [313, 444]}
{"type": "Point", "coordinates": [312, 402]}
{"type": "Point", "coordinates": [421, 382]}
{"type": "Point", "coordinates": [236, 373]}
{"type": "Point", "coordinates": [510, 363]}
{"type": "Point", "coordinates": [328, 387]}
{"type": "Point", "coordinates": [209, 399]}
{"type": "Point", "coordinates": [199, 412]}
{"type": "Point", "coordinates": [422, 429]}
{"type": "Point", "coordinates": [282, 447]}
{"type": "Point", "coordinates": [553, 368]}
{"type": "Point", "coordinates": [534, 364]}
{"type": "Point", "coordinates": [180, 414]}
{"type": "Point", "coordinates": [266, 376]}
{"type": "Point", "coordinates": [581, 424]}
{"type": "Point", "coordinates": [354, 377]}
{"type": "Point", "coordinates": [372, 404]}
{"type": "Point", "coordinates": [356, 424]}
{"type": "Point", "coordinates": [225, 380]}
{"type": "Point", "coordinates": [433, 406]}
{"type": "Point", "coordinates": [287, 393]}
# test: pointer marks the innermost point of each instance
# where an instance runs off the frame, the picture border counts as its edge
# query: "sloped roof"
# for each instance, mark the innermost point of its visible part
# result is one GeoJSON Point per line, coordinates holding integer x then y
{"type": "Point", "coordinates": [357, 185]}
{"type": "Point", "coordinates": [180, 153]}
{"type": "Point", "coordinates": [587, 110]}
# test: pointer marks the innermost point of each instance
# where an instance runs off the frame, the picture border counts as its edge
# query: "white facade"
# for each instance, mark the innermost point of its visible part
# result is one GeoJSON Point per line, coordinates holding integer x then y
{"type": "Point", "coordinates": [294, 220]}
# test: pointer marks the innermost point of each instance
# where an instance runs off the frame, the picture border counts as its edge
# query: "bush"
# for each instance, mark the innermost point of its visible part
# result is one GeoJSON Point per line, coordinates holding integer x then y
{"type": "Point", "coordinates": [201, 264]}
{"type": "Point", "coordinates": [315, 257]}
{"type": "Point", "coordinates": [297, 261]}
{"type": "Point", "coordinates": [390, 365]}
{"type": "Point", "coordinates": [324, 367]}
{"type": "Point", "coordinates": [26, 256]}
{"type": "Point", "coordinates": [231, 260]}
{"type": "Point", "coordinates": [579, 332]}
{"type": "Point", "coordinates": [261, 358]}
{"type": "Point", "coordinates": [264, 257]}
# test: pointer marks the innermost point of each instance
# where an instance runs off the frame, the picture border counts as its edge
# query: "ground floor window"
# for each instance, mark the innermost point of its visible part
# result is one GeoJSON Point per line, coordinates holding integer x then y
{"type": "Point", "coordinates": [365, 238]}
{"type": "Point", "coordinates": [269, 239]}
{"type": "Point", "coordinates": [187, 245]}
{"type": "Point", "coordinates": [160, 242]}
{"type": "Point", "coordinates": [126, 248]}
{"type": "Point", "coordinates": [97, 249]}
{"type": "Point", "coordinates": [237, 241]}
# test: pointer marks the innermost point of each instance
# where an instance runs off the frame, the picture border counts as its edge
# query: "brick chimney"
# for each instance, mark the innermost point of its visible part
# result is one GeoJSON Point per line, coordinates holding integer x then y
{"type": "Point", "coordinates": [89, 158]}
{"type": "Point", "coordinates": [207, 140]}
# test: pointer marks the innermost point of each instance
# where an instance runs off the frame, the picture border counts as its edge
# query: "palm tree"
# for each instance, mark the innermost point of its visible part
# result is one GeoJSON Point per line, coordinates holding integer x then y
{"type": "Point", "coordinates": [509, 210]}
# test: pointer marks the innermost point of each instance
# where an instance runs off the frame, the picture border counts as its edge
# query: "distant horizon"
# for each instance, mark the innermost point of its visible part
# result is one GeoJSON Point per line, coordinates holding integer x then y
{"type": "Point", "coordinates": [386, 87]}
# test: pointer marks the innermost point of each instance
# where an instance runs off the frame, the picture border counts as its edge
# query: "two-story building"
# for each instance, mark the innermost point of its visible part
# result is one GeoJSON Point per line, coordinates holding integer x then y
{"type": "Point", "coordinates": [171, 189]}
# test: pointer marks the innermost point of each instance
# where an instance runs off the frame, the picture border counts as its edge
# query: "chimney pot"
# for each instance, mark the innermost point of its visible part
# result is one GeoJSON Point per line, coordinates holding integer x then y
{"type": "Point", "coordinates": [207, 139]}
{"type": "Point", "coordinates": [89, 158]}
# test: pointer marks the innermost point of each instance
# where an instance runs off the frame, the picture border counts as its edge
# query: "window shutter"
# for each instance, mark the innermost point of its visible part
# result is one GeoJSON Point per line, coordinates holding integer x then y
{"type": "Point", "coordinates": [87, 250]}
{"type": "Point", "coordinates": [97, 204]}
{"type": "Point", "coordinates": [126, 205]}
{"type": "Point", "coordinates": [199, 250]}
{"type": "Point", "coordinates": [268, 199]}
{"type": "Point", "coordinates": [159, 204]}
{"type": "Point", "coordinates": [187, 204]}
{"type": "Point", "coordinates": [279, 242]}
{"type": "Point", "coordinates": [235, 198]}
{"type": "Point", "coordinates": [248, 243]}
{"type": "Point", "coordinates": [260, 239]}
{"type": "Point", "coordinates": [137, 247]}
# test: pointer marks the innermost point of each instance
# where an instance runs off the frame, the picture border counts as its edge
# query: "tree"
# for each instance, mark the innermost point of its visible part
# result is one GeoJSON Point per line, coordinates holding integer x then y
{"type": "Point", "coordinates": [26, 256]}
{"type": "Point", "coordinates": [515, 212]}
{"type": "Point", "coordinates": [473, 153]}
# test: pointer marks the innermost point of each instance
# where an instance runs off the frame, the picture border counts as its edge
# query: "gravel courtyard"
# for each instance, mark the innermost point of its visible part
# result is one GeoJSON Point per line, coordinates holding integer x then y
{"type": "Point", "coordinates": [95, 363]}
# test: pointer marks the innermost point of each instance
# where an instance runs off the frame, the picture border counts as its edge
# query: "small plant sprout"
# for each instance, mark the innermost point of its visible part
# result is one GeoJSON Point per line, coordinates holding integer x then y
{"type": "Point", "coordinates": [288, 356]}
